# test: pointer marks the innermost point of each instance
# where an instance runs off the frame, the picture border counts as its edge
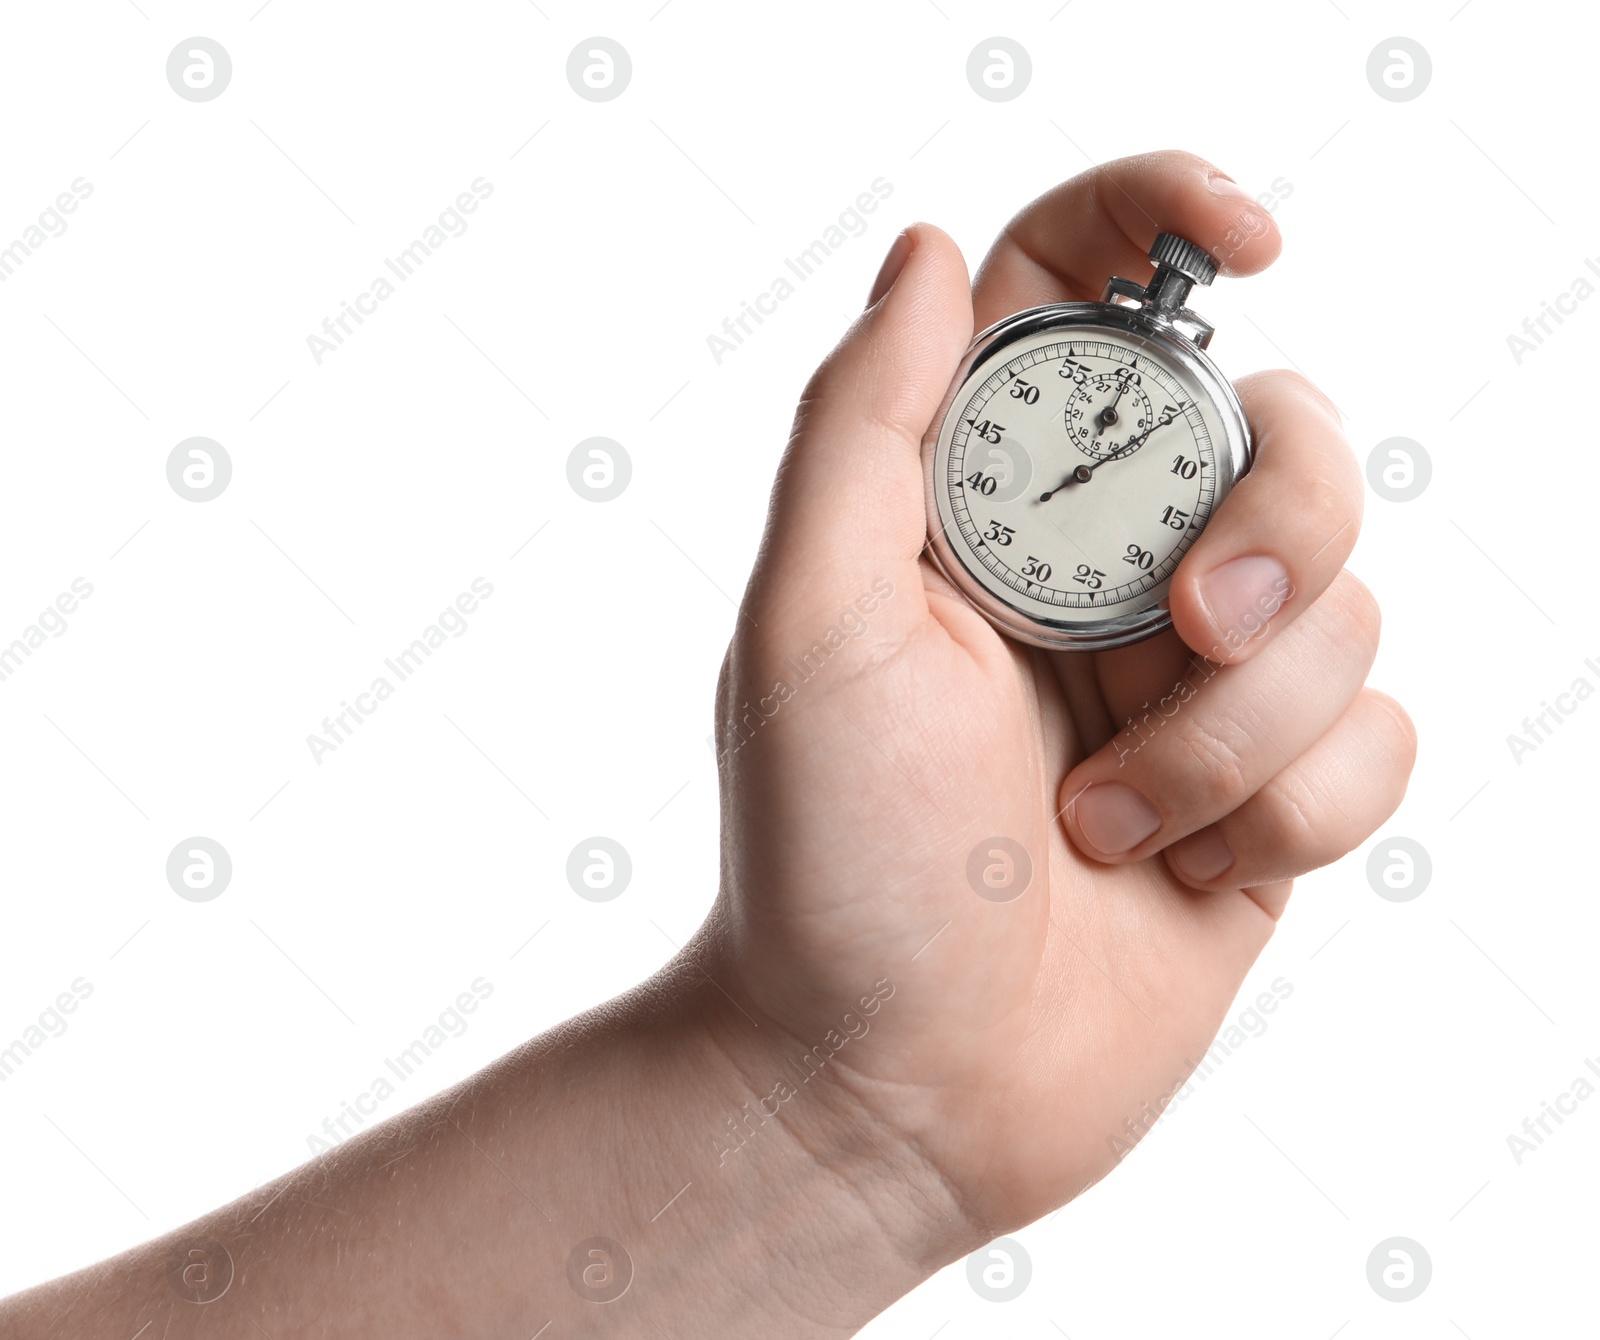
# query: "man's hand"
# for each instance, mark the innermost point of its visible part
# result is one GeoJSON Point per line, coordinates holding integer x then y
{"type": "Point", "coordinates": [1164, 795]}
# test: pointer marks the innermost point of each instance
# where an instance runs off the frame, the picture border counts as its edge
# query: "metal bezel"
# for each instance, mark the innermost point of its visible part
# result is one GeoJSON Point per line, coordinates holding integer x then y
{"type": "Point", "coordinates": [1234, 457]}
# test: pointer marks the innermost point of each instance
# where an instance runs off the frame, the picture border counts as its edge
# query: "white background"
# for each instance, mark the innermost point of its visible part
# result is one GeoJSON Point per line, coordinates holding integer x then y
{"type": "Point", "coordinates": [369, 890]}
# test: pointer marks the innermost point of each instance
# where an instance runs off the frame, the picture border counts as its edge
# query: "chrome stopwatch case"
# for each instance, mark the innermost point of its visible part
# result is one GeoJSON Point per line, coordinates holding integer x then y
{"type": "Point", "coordinates": [1079, 453]}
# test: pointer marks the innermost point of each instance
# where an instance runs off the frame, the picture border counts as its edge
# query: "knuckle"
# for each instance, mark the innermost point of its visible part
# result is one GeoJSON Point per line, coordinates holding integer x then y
{"type": "Point", "coordinates": [1398, 738]}
{"type": "Point", "coordinates": [892, 405]}
{"type": "Point", "coordinates": [1292, 817]}
{"type": "Point", "coordinates": [1365, 615]}
{"type": "Point", "coordinates": [1310, 390]}
{"type": "Point", "coordinates": [819, 389]}
{"type": "Point", "coordinates": [867, 376]}
{"type": "Point", "coordinates": [1355, 621]}
{"type": "Point", "coordinates": [1161, 161]}
{"type": "Point", "coordinates": [1328, 512]}
{"type": "Point", "coordinates": [1213, 762]}
{"type": "Point", "coordinates": [1332, 493]}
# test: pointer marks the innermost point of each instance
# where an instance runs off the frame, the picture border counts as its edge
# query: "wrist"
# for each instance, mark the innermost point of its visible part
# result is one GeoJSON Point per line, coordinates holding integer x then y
{"type": "Point", "coordinates": [835, 1211]}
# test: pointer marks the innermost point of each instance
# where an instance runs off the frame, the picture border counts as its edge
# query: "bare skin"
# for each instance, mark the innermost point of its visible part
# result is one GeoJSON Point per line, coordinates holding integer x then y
{"type": "Point", "coordinates": [975, 1064]}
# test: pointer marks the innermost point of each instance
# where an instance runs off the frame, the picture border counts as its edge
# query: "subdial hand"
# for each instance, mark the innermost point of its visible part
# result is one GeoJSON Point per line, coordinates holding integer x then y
{"type": "Point", "coordinates": [1108, 415]}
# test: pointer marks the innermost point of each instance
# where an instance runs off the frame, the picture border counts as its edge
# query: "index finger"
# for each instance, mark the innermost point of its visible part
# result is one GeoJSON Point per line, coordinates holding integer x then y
{"type": "Point", "coordinates": [1068, 242]}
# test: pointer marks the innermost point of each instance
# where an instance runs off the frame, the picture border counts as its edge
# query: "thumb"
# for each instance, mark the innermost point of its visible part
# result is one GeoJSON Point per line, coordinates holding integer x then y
{"type": "Point", "coordinates": [847, 510]}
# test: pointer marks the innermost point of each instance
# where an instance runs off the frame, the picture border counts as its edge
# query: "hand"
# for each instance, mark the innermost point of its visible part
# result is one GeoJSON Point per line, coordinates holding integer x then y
{"type": "Point", "coordinates": [1028, 1043]}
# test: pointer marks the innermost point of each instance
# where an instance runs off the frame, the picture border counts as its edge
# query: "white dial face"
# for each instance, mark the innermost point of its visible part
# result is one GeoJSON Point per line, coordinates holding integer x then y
{"type": "Point", "coordinates": [1074, 469]}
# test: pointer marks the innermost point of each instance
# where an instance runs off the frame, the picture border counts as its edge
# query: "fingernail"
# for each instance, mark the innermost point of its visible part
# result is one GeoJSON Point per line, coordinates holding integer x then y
{"type": "Point", "coordinates": [1221, 185]}
{"type": "Point", "coordinates": [1203, 856]}
{"type": "Point", "coordinates": [1243, 594]}
{"type": "Point", "coordinates": [893, 263]}
{"type": "Point", "coordinates": [1114, 818]}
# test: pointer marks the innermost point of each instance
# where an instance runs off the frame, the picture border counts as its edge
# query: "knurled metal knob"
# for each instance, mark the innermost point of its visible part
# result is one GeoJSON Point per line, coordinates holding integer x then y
{"type": "Point", "coordinates": [1179, 254]}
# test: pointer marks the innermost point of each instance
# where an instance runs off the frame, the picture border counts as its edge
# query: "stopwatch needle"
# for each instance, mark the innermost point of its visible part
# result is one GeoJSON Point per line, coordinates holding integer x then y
{"type": "Point", "coordinates": [1083, 473]}
{"type": "Point", "coordinates": [1078, 476]}
{"type": "Point", "coordinates": [1108, 415]}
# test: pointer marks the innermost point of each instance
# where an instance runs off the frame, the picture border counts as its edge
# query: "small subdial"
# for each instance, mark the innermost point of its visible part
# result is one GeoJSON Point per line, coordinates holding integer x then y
{"type": "Point", "coordinates": [1105, 411]}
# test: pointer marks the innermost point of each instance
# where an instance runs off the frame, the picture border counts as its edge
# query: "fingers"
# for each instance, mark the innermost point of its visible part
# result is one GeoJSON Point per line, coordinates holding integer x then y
{"type": "Point", "coordinates": [847, 510]}
{"type": "Point", "coordinates": [1222, 733]}
{"type": "Point", "coordinates": [1283, 533]}
{"type": "Point", "coordinates": [1324, 804]}
{"type": "Point", "coordinates": [1068, 242]}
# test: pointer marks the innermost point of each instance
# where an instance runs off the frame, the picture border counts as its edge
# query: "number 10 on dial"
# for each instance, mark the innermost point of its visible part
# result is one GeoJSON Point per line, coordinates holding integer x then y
{"type": "Point", "coordinates": [1080, 452]}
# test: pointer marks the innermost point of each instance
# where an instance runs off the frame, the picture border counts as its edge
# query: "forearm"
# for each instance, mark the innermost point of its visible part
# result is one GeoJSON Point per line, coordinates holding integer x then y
{"type": "Point", "coordinates": [459, 1217]}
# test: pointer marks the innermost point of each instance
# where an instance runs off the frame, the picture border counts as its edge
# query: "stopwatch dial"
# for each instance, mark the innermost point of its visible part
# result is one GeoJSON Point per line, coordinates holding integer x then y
{"type": "Point", "coordinates": [1074, 474]}
{"type": "Point", "coordinates": [1104, 409]}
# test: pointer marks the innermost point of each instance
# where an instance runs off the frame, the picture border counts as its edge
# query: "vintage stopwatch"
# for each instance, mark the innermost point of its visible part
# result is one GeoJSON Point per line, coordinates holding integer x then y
{"type": "Point", "coordinates": [1079, 453]}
